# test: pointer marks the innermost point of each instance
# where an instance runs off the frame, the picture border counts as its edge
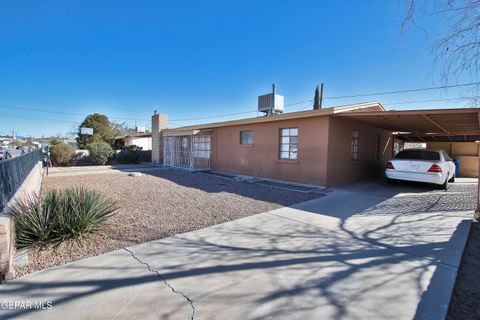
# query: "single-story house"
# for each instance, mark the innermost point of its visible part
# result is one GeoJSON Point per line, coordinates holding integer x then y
{"type": "Point", "coordinates": [141, 139]}
{"type": "Point", "coordinates": [327, 147]}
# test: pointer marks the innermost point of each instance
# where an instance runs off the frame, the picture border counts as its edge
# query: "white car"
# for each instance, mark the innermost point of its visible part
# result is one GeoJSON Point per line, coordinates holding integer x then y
{"type": "Point", "coordinates": [420, 165]}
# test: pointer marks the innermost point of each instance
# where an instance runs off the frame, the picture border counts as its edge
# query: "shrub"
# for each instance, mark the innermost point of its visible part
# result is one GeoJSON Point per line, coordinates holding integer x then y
{"type": "Point", "coordinates": [60, 215]}
{"type": "Point", "coordinates": [100, 152]}
{"type": "Point", "coordinates": [146, 156]}
{"type": "Point", "coordinates": [61, 154]}
{"type": "Point", "coordinates": [56, 140]}
{"type": "Point", "coordinates": [129, 155]}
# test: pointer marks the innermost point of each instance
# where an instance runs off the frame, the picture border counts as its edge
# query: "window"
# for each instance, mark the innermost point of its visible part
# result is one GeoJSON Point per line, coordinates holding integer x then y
{"type": "Point", "coordinates": [378, 140]}
{"type": "Point", "coordinates": [418, 155]}
{"type": "Point", "coordinates": [201, 146]}
{"type": "Point", "coordinates": [246, 137]}
{"type": "Point", "coordinates": [288, 143]}
{"type": "Point", "coordinates": [354, 149]}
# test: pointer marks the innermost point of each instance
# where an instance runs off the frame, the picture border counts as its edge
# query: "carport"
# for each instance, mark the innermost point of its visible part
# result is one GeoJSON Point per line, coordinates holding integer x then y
{"type": "Point", "coordinates": [456, 131]}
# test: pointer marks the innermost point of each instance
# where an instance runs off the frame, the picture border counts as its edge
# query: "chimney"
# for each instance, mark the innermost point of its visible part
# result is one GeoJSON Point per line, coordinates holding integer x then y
{"type": "Point", "coordinates": [159, 123]}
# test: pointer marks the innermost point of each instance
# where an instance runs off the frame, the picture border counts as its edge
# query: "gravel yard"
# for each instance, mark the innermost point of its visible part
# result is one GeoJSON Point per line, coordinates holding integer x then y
{"type": "Point", "coordinates": [159, 204]}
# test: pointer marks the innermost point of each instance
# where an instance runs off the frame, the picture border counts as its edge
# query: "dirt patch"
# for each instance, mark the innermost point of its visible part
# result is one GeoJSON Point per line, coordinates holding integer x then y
{"type": "Point", "coordinates": [465, 302]}
{"type": "Point", "coordinates": [159, 204]}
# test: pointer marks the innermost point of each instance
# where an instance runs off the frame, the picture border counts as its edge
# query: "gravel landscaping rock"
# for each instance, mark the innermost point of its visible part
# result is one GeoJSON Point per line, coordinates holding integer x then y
{"type": "Point", "coordinates": [159, 204]}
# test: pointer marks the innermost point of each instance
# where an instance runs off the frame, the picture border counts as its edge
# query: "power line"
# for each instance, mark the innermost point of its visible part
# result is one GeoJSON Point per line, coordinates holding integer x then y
{"type": "Point", "coordinates": [299, 102]}
{"type": "Point", "coordinates": [347, 96]}
{"type": "Point", "coordinates": [36, 118]}
{"type": "Point", "coordinates": [404, 91]}
{"type": "Point", "coordinates": [254, 111]}
{"type": "Point", "coordinates": [431, 100]}
{"type": "Point", "coordinates": [62, 112]}
{"type": "Point", "coordinates": [302, 108]}
{"type": "Point", "coordinates": [310, 105]}
{"type": "Point", "coordinates": [214, 116]}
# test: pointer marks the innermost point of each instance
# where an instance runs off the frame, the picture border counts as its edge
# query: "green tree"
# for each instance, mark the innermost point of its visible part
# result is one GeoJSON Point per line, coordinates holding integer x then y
{"type": "Point", "coordinates": [100, 152]}
{"type": "Point", "coordinates": [103, 130]}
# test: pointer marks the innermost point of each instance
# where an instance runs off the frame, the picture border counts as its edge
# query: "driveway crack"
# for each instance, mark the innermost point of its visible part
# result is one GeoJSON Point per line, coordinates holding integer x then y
{"type": "Point", "coordinates": [190, 301]}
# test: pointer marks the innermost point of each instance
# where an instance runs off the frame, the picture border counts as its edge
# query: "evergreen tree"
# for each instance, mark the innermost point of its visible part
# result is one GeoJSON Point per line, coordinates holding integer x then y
{"type": "Point", "coordinates": [103, 130]}
{"type": "Point", "coordinates": [316, 99]}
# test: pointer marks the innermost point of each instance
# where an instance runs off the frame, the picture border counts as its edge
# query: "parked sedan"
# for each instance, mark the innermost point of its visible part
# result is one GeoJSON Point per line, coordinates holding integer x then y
{"type": "Point", "coordinates": [429, 166]}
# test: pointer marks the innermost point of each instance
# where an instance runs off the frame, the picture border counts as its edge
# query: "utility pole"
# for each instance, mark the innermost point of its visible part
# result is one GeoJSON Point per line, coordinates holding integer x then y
{"type": "Point", "coordinates": [316, 99]}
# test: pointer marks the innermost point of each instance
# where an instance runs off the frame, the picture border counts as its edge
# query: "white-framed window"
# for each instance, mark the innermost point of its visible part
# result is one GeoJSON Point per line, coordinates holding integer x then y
{"type": "Point", "coordinates": [354, 147]}
{"type": "Point", "coordinates": [288, 144]}
{"type": "Point", "coordinates": [246, 137]}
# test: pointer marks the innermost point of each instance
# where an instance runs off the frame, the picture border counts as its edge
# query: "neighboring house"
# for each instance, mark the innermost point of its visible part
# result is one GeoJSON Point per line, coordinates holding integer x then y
{"type": "Point", "coordinates": [329, 146]}
{"type": "Point", "coordinates": [142, 140]}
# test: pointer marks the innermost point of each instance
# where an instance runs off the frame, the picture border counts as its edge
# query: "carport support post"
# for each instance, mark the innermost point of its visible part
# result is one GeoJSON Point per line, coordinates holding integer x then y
{"type": "Point", "coordinates": [478, 181]}
{"type": "Point", "coordinates": [478, 188]}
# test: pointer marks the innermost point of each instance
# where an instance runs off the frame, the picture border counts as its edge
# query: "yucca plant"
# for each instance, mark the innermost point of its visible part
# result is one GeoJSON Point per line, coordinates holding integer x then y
{"type": "Point", "coordinates": [60, 215]}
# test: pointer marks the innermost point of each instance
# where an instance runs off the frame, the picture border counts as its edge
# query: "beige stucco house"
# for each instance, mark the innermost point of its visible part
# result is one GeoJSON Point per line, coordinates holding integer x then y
{"type": "Point", "coordinates": [326, 147]}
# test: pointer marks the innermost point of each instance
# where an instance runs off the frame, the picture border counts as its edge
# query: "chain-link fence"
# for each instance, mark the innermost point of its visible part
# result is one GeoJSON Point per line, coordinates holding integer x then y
{"type": "Point", "coordinates": [13, 172]}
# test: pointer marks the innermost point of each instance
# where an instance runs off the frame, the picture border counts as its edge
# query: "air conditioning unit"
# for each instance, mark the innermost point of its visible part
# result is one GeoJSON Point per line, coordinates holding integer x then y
{"type": "Point", "coordinates": [271, 103]}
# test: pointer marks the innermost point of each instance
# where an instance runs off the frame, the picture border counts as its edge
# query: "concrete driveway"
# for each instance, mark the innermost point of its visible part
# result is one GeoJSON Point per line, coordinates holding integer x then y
{"type": "Point", "coordinates": [369, 251]}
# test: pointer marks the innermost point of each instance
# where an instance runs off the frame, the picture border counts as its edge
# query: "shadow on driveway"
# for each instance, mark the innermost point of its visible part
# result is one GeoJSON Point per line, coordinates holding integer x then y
{"type": "Point", "coordinates": [360, 252]}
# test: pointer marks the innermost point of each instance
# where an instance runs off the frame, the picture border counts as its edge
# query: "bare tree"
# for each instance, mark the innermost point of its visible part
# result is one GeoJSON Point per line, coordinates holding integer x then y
{"type": "Point", "coordinates": [457, 48]}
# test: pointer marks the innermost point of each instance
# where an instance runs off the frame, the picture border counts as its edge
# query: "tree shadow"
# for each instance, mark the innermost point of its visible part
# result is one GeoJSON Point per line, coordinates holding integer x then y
{"type": "Point", "coordinates": [389, 257]}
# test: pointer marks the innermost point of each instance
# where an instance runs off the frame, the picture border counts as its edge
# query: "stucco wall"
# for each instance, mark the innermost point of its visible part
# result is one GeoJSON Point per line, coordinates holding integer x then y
{"type": "Point", "coordinates": [341, 168]}
{"type": "Point", "coordinates": [144, 142]}
{"type": "Point", "coordinates": [30, 186]}
{"type": "Point", "coordinates": [262, 158]}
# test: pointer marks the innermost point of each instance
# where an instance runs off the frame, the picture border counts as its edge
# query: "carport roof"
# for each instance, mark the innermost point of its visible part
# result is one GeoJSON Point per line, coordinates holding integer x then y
{"type": "Point", "coordinates": [424, 125]}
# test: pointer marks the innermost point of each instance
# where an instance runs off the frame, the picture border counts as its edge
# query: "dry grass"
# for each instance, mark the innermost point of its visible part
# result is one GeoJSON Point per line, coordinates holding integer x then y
{"type": "Point", "coordinates": [159, 204]}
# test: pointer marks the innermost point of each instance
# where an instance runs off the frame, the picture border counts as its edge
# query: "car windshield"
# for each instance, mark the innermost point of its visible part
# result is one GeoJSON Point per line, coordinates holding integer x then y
{"type": "Point", "coordinates": [418, 155]}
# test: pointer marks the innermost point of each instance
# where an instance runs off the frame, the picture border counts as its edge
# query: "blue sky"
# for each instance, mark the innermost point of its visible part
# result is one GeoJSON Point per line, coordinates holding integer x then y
{"type": "Point", "coordinates": [197, 58]}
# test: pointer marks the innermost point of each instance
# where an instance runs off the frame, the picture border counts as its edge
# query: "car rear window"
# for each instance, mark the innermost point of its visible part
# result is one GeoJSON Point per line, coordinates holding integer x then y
{"type": "Point", "coordinates": [418, 155]}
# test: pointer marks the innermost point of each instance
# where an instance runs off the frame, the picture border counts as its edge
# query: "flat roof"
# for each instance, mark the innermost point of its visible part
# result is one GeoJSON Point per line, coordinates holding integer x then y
{"type": "Point", "coordinates": [361, 107]}
{"type": "Point", "coordinates": [456, 124]}
{"type": "Point", "coordinates": [460, 124]}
